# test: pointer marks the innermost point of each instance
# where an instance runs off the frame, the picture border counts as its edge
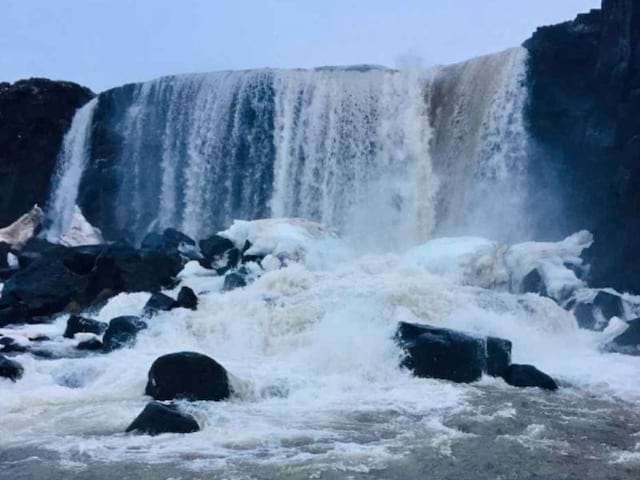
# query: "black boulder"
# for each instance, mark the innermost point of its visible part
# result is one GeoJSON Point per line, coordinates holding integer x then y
{"type": "Point", "coordinates": [441, 353]}
{"type": "Point", "coordinates": [187, 375]}
{"type": "Point", "coordinates": [78, 324]}
{"type": "Point", "coordinates": [187, 299]}
{"type": "Point", "coordinates": [528, 376]}
{"type": "Point", "coordinates": [157, 418]}
{"type": "Point", "coordinates": [122, 332]}
{"type": "Point", "coordinates": [159, 302]}
{"type": "Point", "coordinates": [10, 369]}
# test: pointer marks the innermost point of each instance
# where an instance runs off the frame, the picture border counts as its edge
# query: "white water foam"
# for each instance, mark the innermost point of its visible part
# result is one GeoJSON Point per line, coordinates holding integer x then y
{"type": "Point", "coordinates": [317, 369]}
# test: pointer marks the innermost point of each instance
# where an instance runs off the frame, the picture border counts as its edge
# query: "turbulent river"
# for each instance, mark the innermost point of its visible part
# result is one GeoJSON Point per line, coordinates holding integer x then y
{"type": "Point", "coordinates": [406, 166]}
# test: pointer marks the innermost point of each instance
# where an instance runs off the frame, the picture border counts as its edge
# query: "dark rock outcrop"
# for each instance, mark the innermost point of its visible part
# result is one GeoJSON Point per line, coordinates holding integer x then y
{"type": "Point", "coordinates": [159, 302]}
{"type": "Point", "coordinates": [13, 314]}
{"type": "Point", "coordinates": [584, 105]}
{"type": "Point", "coordinates": [78, 324]}
{"type": "Point", "coordinates": [157, 418]}
{"type": "Point", "coordinates": [44, 288]}
{"type": "Point", "coordinates": [187, 298]}
{"type": "Point", "coordinates": [441, 353]}
{"type": "Point", "coordinates": [34, 116]}
{"type": "Point", "coordinates": [56, 279]}
{"type": "Point", "coordinates": [10, 369]}
{"type": "Point", "coordinates": [187, 375]}
{"type": "Point", "coordinates": [122, 332]}
{"type": "Point", "coordinates": [528, 376]}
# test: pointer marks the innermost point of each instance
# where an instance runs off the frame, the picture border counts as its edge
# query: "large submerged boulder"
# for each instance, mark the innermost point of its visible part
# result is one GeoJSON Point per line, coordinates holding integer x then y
{"type": "Point", "coordinates": [157, 418]}
{"type": "Point", "coordinates": [441, 353]}
{"type": "Point", "coordinates": [528, 376]}
{"type": "Point", "coordinates": [187, 375]}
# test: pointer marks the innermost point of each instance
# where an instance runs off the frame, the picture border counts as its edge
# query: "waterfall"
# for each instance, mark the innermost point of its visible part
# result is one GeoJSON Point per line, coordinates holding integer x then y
{"type": "Point", "coordinates": [71, 163]}
{"type": "Point", "coordinates": [388, 158]}
{"type": "Point", "coordinates": [480, 147]}
{"type": "Point", "coordinates": [353, 153]}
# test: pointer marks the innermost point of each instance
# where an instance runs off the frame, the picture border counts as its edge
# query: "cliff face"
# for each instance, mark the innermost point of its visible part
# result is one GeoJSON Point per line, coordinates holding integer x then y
{"type": "Point", "coordinates": [584, 118]}
{"type": "Point", "coordinates": [34, 116]}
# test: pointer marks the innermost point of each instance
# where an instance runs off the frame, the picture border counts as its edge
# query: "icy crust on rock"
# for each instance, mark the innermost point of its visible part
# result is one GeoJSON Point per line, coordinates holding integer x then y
{"type": "Point", "coordinates": [23, 229]}
{"type": "Point", "coordinates": [288, 239]}
{"type": "Point", "coordinates": [487, 264]}
{"type": "Point", "coordinates": [80, 232]}
{"type": "Point", "coordinates": [552, 261]}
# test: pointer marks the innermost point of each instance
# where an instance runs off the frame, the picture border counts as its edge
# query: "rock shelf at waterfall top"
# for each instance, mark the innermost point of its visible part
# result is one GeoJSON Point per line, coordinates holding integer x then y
{"type": "Point", "coordinates": [320, 356]}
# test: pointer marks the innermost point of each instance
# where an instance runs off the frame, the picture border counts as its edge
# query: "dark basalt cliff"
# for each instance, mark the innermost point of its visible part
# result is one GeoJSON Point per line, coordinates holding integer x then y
{"type": "Point", "coordinates": [584, 118]}
{"type": "Point", "coordinates": [34, 116]}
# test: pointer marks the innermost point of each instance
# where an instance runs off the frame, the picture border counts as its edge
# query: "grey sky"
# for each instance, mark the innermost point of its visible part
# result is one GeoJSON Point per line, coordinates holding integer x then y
{"type": "Point", "coordinates": [104, 43]}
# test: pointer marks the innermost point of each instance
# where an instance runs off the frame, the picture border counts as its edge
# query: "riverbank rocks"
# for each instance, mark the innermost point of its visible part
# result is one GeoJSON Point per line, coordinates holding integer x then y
{"type": "Point", "coordinates": [44, 288]}
{"type": "Point", "coordinates": [78, 324]}
{"type": "Point", "coordinates": [528, 376]}
{"type": "Point", "coordinates": [187, 375]}
{"type": "Point", "coordinates": [157, 418]}
{"type": "Point", "coordinates": [10, 369]}
{"type": "Point", "coordinates": [441, 353]}
{"type": "Point", "coordinates": [122, 332]}
{"type": "Point", "coordinates": [628, 342]}
{"type": "Point", "coordinates": [162, 302]}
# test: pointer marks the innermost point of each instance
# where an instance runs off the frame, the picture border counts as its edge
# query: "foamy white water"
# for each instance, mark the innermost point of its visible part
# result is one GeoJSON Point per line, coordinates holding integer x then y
{"type": "Point", "coordinates": [316, 369]}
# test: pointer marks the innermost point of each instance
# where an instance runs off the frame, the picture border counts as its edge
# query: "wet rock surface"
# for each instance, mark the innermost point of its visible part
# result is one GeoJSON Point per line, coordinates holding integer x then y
{"type": "Point", "coordinates": [34, 116]}
{"type": "Point", "coordinates": [187, 375]}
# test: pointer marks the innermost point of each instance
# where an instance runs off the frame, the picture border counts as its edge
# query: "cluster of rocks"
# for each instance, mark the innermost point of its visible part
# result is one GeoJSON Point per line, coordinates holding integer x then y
{"type": "Point", "coordinates": [46, 280]}
{"type": "Point", "coordinates": [188, 376]}
{"type": "Point", "coordinates": [446, 354]}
